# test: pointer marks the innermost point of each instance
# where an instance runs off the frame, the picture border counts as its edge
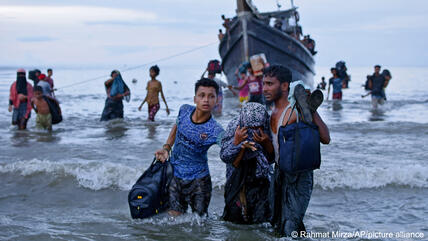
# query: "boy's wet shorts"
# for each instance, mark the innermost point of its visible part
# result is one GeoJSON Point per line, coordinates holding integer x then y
{"type": "Point", "coordinates": [196, 193]}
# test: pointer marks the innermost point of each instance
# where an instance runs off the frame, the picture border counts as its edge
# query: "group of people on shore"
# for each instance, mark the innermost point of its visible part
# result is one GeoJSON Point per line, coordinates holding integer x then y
{"type": "Point", "coordinates": [256, 190]}
{"type": "Point", "coordinates": [24, 97]}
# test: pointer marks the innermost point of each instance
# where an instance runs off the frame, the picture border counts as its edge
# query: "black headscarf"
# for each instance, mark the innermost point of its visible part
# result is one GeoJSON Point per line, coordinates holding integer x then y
{"type": "Point", "coordinates": [21, 83]}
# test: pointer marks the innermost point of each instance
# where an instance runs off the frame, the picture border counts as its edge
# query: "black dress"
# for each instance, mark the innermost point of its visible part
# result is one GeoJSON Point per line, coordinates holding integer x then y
{"type": "Point", "coordinates": [246, 197]}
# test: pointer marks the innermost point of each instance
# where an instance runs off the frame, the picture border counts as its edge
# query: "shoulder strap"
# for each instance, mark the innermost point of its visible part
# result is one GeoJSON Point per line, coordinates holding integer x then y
{"type": "Point", "coordinates": [281, 119]}
{"type": "Point", "coordinates": [289, 116]}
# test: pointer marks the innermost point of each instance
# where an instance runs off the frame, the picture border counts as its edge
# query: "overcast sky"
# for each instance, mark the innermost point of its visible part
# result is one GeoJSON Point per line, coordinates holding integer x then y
{"type": "Point", "coordinates": [95, 33]}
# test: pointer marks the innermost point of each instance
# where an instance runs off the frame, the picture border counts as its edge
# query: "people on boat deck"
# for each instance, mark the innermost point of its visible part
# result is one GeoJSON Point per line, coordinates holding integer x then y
{"type": "Point", "coordinates": [322, 84]}
{"type": "Point", "coordinates": [41, 107]}
{"type": "Point", "coordinates": [226, 22]}
{"type": "Point", "coordinates": [290, 193]}
{"type": "Point", "coordinates": [221, 84]}
{"type": "Point", "coordinates": [220, 35]}
{"type": "Point", "coordinates": [20, 96]}
{"type": "Point", "coordinates": [337, 83]}
{"type": "Point", "coordinates": [377, 84]}
{"type": "Point", "coordinates": [247, 150]}
{"type": "Point", "coordinates": [44, 84]}
{"type": "Point", "coordinates": [154, 87]}
{"type": "Point", "coordinates": [116, 90]}
{"type": "Point", "coordinates": [309, 44]}
{"type": "Point", "coordinates": [242, 83]}
{"type": "Point", "coordinates": [193, 134]}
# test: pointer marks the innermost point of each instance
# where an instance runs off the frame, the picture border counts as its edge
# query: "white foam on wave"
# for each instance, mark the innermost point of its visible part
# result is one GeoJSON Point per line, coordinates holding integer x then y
{"type": "Point", "coordinates": [358, 177]}
{"type": "Point", "coordinates": [97, 175]}
{"type": "Point", "coordinates": [94, 175]}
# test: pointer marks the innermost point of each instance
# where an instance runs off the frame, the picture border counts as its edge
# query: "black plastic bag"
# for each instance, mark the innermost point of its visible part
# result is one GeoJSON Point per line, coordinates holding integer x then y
{"type": "Point", "coordinates": [54, 109]}
{"type": "Point", "coordinates": [149, 195]}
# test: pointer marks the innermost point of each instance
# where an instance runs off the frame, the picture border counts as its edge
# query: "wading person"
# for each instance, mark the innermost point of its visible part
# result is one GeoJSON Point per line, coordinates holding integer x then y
{"type": "Point", "coordinates": [377, 84]}
{"type": "Point", "coordinates": [190, 138]}
{"type": "Point", "coordinates": [337, 84]}
{"type": "Point", "coordinates": [20, 96]}
{"type": "Point", "coordinates": [44, 84]}
{"type": "Point", "coordinates": [290, 193]}
{"type": "Point", "coordinates": [218, 109]}
{"type": "Point", "coordinates": [247, 150]}
{"type": "Point", "coordinates": [154, 87]}
{"type": "Point", "coordinates": [242, 84]}
{"type": "Point", "coordinates": [255, 86]}
{"type": "Point", "coordinates": [116, 90]}
{"type": "Point", "coordinates": [41, 107]}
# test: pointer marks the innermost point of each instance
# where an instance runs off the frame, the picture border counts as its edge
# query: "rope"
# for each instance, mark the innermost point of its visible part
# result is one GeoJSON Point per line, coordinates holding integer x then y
{"type": "Point", "coordinates": [142, 65]}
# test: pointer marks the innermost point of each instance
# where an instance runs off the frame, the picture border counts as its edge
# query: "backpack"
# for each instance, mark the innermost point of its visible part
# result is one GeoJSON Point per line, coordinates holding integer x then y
{"type": "Point", "coordinates": [55, 109]}
{"type": "Point", "coordinates": [214, 67]}
{"type": "Point", "coordinates": [299, 147]}
{"type": "Point", "coordinates": [149, 195]}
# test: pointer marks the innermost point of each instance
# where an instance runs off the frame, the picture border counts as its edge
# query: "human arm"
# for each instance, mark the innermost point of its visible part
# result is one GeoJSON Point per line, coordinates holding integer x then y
{"type": "Point", "coordinates": [387, 78]}
{"type": "Point", "coordinates": [32, 105]}
{"type": "Point", "coordinates": [109, 82]}
{"type": "Point", "coordinates": [145, 99]}
{"type": "Point", "coordinates": [164, 100]}
{"type": "Point", "coordinates": [242, 85]}
{"type": "Point", "coordinates": [231, 143]}
{"type": "Point", "coordinates": [263, 139]}
{"type": "Point", "coordinates": [322, 128]}
{"type": "Point", "coordinates": [163, 154]}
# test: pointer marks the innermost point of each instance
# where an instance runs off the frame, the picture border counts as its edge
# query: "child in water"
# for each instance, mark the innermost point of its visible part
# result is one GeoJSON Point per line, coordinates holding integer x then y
{"type": "Point", "coordinates": [44, 117]}
{"type": "Point", "coordinates": [154, 86]}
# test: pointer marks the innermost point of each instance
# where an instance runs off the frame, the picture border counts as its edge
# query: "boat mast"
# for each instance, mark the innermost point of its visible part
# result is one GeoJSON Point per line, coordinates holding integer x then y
{"type": "Point", "coordinates": [242, 12]}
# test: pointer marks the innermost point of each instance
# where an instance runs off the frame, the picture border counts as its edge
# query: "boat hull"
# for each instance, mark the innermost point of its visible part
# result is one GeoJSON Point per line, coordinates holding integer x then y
{"type": "Point", "coordinates": [279, 48]}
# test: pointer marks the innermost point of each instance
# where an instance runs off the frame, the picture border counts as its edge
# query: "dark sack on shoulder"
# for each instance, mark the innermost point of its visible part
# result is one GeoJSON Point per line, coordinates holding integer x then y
{"type": "Point", "coordinates": [214, 66]}
{"type": "Point", "coordinates": [54, 109]}
{"type": "Point", "coordinates": [299, 147]}
{"type": "Point", "coordinates": [149, 195]}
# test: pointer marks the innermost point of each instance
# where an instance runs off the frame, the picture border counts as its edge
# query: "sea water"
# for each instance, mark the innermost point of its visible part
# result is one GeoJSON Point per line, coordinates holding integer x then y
{"type": "Point", "coordinates": [72, 184]}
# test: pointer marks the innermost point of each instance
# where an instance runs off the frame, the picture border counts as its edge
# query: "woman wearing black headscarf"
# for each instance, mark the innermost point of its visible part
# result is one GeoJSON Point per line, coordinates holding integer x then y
{"type": "Point", "coordinates": [20, 96]}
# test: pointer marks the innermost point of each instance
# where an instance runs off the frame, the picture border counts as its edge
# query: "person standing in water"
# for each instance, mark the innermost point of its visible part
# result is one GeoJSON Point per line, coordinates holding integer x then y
{"type": "Point", "coordinates": [154, 87]}
{"type": "Point", "coordinates": [20, 96]}
{"type": "Point", "coordinates": [116, 90]}
{"type": "Point", "coordinates": [188, 142]}
{"type": "Point", "coordinates": [41, 107]}
{"type": "Point", "coordinates": [337, 83]}
{"type": "Point", "coordinates": [377, 84]}
{"type": "Point", "coordinates": [218, 109]}
{"type": "Point", "coordinates": [247, 150]}
{"type": "Point", "coordinates": [290, 193]}
{"type": "Point", "coordinates": [44, 84]}
{"type": "Point", "coordinates": [243, 84]}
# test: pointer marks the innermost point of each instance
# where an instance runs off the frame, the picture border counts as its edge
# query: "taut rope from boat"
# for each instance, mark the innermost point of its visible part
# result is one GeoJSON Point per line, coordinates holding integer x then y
{"type": "Point", "coordinates": [142, 65]}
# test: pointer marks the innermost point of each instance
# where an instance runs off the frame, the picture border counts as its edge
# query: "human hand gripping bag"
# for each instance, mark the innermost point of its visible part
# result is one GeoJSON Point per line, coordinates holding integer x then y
{"type": "Point", "coordinates": [149, 195]}
{"type": "Point", "coordinates": [299, 147]}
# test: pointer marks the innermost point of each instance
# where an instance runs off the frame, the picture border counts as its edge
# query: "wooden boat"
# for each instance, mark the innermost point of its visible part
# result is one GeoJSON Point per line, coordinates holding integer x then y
{"type": "Point", "coordinates": [249, 33]}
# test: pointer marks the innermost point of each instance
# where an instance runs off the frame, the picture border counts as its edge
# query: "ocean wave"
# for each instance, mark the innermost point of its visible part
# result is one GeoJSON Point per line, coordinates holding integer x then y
{"type": "Point", "coordinates": [93, 175]}
{"type": "Point", "coordinates": [415, 176]}
{"type": "Point", "coordinates": [96, 175]}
